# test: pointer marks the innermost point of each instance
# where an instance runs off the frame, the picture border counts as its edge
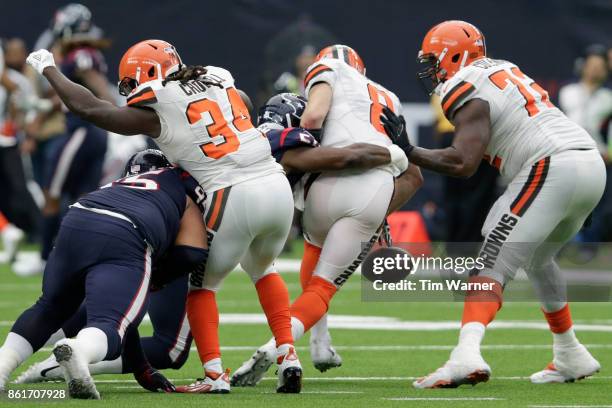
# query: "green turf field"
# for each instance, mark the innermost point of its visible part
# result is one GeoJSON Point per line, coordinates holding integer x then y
{"type": "Point", "coordinates": [379, 364]}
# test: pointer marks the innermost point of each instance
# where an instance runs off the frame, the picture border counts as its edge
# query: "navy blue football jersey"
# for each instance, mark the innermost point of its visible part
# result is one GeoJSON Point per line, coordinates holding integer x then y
{"type": "Point", "coordinates": [155, 202]}
{"type": "Point", "coordinates": [282, 140]}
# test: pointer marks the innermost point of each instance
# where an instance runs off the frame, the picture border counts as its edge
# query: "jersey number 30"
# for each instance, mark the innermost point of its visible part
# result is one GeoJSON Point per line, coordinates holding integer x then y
{"type": "Point", "coordinates": [217, 125]}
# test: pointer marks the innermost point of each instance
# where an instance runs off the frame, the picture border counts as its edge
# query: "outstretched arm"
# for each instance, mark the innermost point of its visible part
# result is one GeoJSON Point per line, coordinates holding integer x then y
{"type": "Point", "coordinates": [472, 135]}
{"type": "Point", "coordinates": [81, 101]}
{"type": "Point", "coordinates": [356, 156]}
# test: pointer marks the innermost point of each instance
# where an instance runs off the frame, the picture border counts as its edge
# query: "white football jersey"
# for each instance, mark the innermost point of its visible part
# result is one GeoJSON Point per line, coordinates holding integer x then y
{"type": "Point", "coordinates": [206, 129]}
{"type": "Point", "coordinates": [525, 125]}
{"type": "Point", "coordinates": [357, 103]}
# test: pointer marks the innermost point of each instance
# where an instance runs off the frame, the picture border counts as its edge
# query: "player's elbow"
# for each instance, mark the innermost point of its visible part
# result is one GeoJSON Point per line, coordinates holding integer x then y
{"type": "Point", "coordinates": [464, 170]}
{"type": "Point", "coordinates": [312, 119]}
{"type": "Point", "coordinates": [416, 179]}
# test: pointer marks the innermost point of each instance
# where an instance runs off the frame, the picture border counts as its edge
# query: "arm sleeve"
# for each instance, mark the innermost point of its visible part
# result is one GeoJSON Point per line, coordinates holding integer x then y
{"type": "Point", "coordinates": [319, 72]}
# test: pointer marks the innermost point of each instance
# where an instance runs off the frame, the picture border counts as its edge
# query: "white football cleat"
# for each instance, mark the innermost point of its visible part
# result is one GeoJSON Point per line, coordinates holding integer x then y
{"type": "Point", "coordinates": [323, 354]}
{"type": "Point", "coordinates": [212, 383]}
{"type": "Point", "coordinates": [46, 370]}
{"type": "Point", "coordinates": [29, 266]}
{"type": "Point", "coordinates": [464, 367]}
{"type": "Point", "coordinates": [252, 371]}
{"type": "Point", "coordinates": [569, 364]}
{"type": "Point", "coordinates": [11, 236]}
{"type": "Point", "coordinates": [76, 370]}
{"type": "Point", "coordinates": [289, 371]}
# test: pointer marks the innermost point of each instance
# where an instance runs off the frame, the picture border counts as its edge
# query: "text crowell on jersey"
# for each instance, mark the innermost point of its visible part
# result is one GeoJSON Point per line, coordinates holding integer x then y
{"type": "Point", "coordinates": [206, 129]}
{"type": "Point", "coordinates": [525, 125]}
{"type": "Point", "coordinates": [354, 116]}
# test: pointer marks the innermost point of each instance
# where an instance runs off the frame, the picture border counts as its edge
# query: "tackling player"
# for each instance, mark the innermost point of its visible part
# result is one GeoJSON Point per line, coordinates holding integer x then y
{"type": "Point", "coordinates": [343, 209]}
{"type": "Point", "coordinates": [557, 178]}
{"type": "Point", "coordinates": [198, 119]}
{"type": "Point", "coordinates": [103, 256]}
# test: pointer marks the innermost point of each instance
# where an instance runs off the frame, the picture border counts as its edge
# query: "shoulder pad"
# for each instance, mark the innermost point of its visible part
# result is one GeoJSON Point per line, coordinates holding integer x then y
{"type": "Point", "coordinates": [221, 74]}
{"type": "Point", "coordinates": [320, 71]}
{"type": "Point", "coordinates": [144, 94]}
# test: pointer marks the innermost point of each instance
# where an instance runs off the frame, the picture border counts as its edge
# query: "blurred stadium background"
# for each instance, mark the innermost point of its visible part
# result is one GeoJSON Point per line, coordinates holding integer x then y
{"type": "Point", "coordinates": [565, 45]}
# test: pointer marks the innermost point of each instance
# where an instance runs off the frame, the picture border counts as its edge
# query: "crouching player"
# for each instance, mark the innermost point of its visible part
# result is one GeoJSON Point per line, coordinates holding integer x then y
{"type": "Point", "coordinates": [103, 256]}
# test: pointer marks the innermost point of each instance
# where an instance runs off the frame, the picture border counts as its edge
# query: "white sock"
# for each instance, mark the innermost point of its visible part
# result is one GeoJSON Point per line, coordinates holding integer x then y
{"type": "Point", "coordinates": [319, 331]}
{"type": "Point", "coordinates": [107, 367]}
{"type": "Point", "coordinates": [471, 336]}
{"type": "Point", "coordinates": [566, 339]}
{"type": "Point", "coordinates": [213, 365]}
{"type": "Point", "coordinates": [55, 337]}
{"type": "Point", "coordinates": [93, 344]}
{"type": "Point", "coordinates": [16, 350]}
{"type": "Point", "coordinates": [297, 329]}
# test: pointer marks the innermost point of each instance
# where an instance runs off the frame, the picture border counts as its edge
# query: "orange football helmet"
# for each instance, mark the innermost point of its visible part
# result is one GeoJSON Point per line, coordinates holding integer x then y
{"type": "Point", "coordinates": [344, 53]}
{"type": "Point", "coordinates": [448, 47]}
{"type": "Point", "coordinates": [146, 61]}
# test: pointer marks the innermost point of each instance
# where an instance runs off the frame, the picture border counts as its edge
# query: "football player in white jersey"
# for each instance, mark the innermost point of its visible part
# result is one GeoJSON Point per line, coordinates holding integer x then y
{"type": "Point", "coordinates": [199, 120]}
{"type": "Point", "coordinates": [344, 210]}
{"type": "Point", "coordinates": [556, 177]}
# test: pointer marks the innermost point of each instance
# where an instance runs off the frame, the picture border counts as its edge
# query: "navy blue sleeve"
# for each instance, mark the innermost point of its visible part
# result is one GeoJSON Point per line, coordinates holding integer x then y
{"type": "Point", "coordinates": [290, 138]}
{"type": "Point", "coordinates": [193, 189]}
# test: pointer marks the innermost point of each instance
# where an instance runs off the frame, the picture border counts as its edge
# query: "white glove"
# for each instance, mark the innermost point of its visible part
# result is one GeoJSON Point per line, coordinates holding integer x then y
{"type": "Point", "coordinates": [41, 59]}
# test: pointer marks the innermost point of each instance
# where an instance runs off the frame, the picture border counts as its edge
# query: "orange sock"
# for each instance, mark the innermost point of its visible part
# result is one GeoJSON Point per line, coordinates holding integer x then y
{"type": "Point", "coordinates": [274, 300]}
{"type": "Point", "coordinates": [482, 305]}
{"type": "Point", "coordinates": [4, 222]}
{"type": "Point", "coordinates": [559, 321]}
{"type": "Point", "coordinates": [204, 321]}
{"type": "Point", "coordinates": [309, 263]}
{"type": "Point", "coordinates": [313, 303]}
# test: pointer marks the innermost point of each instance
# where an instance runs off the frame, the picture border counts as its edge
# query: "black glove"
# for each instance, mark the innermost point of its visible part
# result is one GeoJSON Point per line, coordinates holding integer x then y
{"type": "Point", "coordinates": [154, 381]}
{"type": "Point", "coordinates": [395, 127]}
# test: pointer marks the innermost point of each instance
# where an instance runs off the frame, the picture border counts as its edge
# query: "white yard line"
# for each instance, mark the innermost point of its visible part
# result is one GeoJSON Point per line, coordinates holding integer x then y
{"type": "Point", "coordinates": [450, 399]}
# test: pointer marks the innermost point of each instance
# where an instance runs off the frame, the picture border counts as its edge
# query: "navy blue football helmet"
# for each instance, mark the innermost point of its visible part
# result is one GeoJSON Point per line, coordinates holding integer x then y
{"type": "Point", "coordinates": [146, 160]}
{"type": "Point", "coordinates": [73, 22]}
{"type": "Point", "coordinates": [284, 109]}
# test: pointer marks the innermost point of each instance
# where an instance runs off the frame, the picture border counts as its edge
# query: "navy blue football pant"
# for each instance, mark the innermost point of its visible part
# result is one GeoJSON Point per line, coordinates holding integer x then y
{"type": "Point", "coordinates": [169, 345]}
{"type": "Point", "coordinates": [101, 261]}
{"type": "Point", "coordinates": [73, 167]}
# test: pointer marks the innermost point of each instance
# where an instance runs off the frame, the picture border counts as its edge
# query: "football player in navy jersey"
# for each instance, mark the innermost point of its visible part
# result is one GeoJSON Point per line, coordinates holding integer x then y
{"type": "Point", "coordinates": [106, 246]}
{"type": "Point", "coordinates": [74, 166]}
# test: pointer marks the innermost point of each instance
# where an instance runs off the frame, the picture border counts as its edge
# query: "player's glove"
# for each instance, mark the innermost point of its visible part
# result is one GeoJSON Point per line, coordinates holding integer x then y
{"type": "Point", "coordinates": [154, 381]}
{"type": "Point", "coordinates": [41, 59]}
{"type": "Point", "coordinates": [395, 128]}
